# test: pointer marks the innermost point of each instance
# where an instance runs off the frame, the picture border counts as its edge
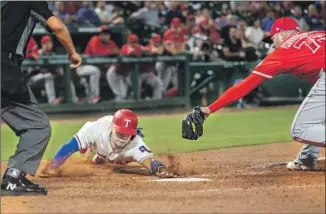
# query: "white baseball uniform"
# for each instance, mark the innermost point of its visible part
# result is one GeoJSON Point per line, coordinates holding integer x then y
{"type": "Point", "coordinates": [95, 135]}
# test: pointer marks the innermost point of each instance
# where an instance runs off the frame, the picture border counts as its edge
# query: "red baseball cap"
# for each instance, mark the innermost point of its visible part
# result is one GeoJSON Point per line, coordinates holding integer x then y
{"type": "Point", "coordinates": [175, 22]}
{"type": "Point", "coordinates": [46, 39]}
{"type": "Point", "coordinates": [104, 29]}
{"type": "Point", "coordinates": [281, 24]}
{"type": "Point", "coordinates": [132, 38]}
{"type": "Point", "coordinates": [156, 38]}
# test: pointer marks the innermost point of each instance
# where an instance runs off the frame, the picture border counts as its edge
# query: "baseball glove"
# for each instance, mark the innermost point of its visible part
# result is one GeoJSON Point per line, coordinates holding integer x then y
{"type": "Point", "coordinates": [192, 125]}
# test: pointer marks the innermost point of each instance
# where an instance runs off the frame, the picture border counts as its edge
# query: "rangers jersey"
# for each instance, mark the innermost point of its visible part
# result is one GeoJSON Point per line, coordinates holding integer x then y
{"type": "Point", "coordinates": [96, 135]}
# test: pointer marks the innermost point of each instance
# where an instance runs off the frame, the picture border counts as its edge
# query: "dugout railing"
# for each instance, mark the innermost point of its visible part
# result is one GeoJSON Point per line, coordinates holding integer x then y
{"type": "Point", "coordinates": [221, 75]}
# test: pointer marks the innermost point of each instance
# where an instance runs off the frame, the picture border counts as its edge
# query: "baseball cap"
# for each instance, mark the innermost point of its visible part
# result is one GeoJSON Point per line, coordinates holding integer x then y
{"type": "Point", "coordinates": [281, 24]}
{"type": "Point", "coordinates": [104, 29]}
{"type": "Point", "coordinates": [132, 38]}
{"type": "Point", "coordinates": [45, 39]}
{"type": "Point", "coordinates": [175, 22]}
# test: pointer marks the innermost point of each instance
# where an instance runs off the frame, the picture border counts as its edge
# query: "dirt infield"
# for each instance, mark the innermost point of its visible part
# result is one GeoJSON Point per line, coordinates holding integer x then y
{"type": "Point", "coordinates": [241, 181]}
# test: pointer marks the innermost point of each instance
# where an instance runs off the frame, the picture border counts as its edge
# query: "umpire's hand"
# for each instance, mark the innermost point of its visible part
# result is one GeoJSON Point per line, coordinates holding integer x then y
{"type": "Point", "coordinates": [75, 60]}
{"type": "Point", "coordinates": [193, 124]}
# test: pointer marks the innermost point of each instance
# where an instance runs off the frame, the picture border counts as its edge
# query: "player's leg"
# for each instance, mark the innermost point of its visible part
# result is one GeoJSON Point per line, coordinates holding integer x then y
{"type": "Point", "coordinates": [32, 126]}
{"type": "Point", "coordinates": [49, 87]}
{"type": "Point", "coordinates": [174, 77]}
{"type": "Point", "coordinates": [309, 126]}
{"type": "Point", "coordinates": [74, 96]}
{"type": "Point", "coordinates": [117, 83]}
{"type": "Point", "coordinates": [155, 82]}
{"type": "Point", "coordinates": [24, 116]}
{"type": "Point", "coordinates": [48, 84]}
{"type": "Point", "coordinates": [94, 74]}
{"type": "Point", "coordinates": [165, 73]}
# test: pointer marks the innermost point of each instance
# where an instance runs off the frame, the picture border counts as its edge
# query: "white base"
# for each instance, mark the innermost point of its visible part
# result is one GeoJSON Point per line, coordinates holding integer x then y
{"type": "Point", "coordinates": [181, 179]}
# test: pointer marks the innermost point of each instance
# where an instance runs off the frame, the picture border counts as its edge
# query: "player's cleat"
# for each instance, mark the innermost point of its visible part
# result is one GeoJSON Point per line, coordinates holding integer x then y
{"type": "Point", "coordinates": [298, 166]}
{"type": "Point", "coordinates": [11, 186]}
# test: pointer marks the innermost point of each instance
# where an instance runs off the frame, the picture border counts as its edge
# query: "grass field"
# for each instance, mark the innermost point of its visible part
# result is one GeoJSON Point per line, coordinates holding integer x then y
{"type": "Point", "coordinates": [163, 134]}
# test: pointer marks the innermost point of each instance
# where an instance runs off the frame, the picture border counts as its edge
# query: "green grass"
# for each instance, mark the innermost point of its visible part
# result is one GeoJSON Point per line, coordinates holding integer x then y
{"type": "Point", "coordinates": [163, 134]}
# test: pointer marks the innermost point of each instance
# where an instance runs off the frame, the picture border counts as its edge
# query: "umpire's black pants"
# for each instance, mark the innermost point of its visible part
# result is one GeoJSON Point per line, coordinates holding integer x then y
{"type": "Point", "coordinates": [20, 110]}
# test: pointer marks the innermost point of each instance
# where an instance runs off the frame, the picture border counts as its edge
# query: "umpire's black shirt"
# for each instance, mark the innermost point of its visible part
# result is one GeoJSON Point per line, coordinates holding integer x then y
{"type": "Point", "coordinates": [18, 19]}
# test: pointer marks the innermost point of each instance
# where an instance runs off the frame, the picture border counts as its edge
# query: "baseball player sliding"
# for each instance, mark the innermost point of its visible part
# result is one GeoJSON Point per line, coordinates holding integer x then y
{"type": "Point", "coordinates": [111, 138]}
{"type": "Point", "coordinates": [301, 54]}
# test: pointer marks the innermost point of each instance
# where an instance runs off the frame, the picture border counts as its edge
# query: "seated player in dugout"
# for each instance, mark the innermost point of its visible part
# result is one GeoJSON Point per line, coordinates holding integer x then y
{"type": "Point", "coordinates": [111, 138]}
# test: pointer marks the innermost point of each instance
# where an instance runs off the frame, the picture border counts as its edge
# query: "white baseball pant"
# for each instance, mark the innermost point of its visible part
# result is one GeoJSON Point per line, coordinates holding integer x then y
{"type": "Point", "coordinates": [167, 74]}
{"type": "Point", "coordinates": [94, 74]}
{"type": "Point", "coordinates": [119, 84]}
{"type": "Point", "coordinates": [48, 79]}
{"type": "Point", "coordinates": [309, 123]}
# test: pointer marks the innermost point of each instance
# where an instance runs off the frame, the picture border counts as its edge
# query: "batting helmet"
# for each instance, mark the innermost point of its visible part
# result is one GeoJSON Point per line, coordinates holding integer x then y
{"type": "Point", "coordinates": [125, 121]}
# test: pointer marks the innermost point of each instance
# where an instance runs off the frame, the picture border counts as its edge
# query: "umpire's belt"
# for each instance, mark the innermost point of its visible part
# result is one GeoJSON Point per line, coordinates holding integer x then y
{"type": "Point", "coordinates": [14, 59]}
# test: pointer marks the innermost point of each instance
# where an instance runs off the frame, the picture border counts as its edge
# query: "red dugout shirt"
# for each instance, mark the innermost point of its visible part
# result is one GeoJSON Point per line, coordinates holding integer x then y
{"type": "Point", "coordinates": [301, 55]}
{"type": "Point", "coordinates": [127, 50]}
{"type": "Point", "coordinates": [32, 48]}
{"type": "Point", "coordinates": [177, 38]}
{"type": "Point", "coordinates": [96, 48]}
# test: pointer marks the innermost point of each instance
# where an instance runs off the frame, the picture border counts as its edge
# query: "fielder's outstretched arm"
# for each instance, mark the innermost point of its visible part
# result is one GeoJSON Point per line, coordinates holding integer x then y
{"type": "Point", "coordinates": [197, 116]}
{"type": "Point", "coordinates": [236, 92]}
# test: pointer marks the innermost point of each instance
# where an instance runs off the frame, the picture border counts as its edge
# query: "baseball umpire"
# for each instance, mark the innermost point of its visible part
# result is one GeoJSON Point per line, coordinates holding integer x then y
{"type": "Point", "coordinates": [19, 108]}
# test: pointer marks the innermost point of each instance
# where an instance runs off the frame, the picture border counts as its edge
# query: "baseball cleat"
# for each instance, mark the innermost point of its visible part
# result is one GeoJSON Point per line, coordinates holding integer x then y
{"type": "Point", "coordinates": [11, 186]}
{"type": "Point", "coordinates": [298, 166]}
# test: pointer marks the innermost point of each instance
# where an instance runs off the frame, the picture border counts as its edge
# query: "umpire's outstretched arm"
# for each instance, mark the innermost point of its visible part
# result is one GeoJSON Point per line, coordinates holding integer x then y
{"type": "Point", "coordinates": [39, 9]}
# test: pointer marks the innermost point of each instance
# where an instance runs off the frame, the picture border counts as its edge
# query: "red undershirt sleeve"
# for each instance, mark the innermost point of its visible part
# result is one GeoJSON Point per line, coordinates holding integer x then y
{"type": "Point", "coordinates": [237, 91]}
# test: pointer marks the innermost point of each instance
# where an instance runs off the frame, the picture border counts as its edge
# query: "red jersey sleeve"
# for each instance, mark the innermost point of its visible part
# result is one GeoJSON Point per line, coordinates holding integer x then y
{"type": "Point", "coordinates": [113, 45]}
{"type": "Point", "coordinates": [236, 92]}
{"type": "Point", "coordinates": [270, 66]}
{"type": "Point", "coordinates": [32, 48]}
{"type": "Point", "coordinates": [148, 47]}
{"type": "Point", "coordinates": [137, 51]}
{"type": "Point", "coordinates": [124, 50]}
{"type": "Point", "coordinates": [167, 36]}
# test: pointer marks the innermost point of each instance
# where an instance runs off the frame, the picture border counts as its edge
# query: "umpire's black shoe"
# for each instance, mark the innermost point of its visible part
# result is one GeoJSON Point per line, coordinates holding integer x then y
{"type": "Point", "coordinates": [11, 186]}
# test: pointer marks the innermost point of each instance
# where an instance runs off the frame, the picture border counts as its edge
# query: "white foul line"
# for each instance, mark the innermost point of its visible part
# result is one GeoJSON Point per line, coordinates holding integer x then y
{"type": "Point", "coordinates": [260, 188]}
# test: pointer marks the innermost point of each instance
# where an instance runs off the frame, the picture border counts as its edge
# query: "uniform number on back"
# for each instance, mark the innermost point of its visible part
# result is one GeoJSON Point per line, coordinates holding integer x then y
{"type": "Point", "coordinates": [310, 41]}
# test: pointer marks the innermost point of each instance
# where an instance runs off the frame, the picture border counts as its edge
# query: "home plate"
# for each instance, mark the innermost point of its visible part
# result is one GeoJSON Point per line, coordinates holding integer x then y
{"type": "Point", "coordinates": [181, 179]}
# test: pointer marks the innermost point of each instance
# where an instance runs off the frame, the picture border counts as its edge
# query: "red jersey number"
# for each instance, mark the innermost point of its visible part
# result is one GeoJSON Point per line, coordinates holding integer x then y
{"type": "Point", "coordinates": [310, 41]}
